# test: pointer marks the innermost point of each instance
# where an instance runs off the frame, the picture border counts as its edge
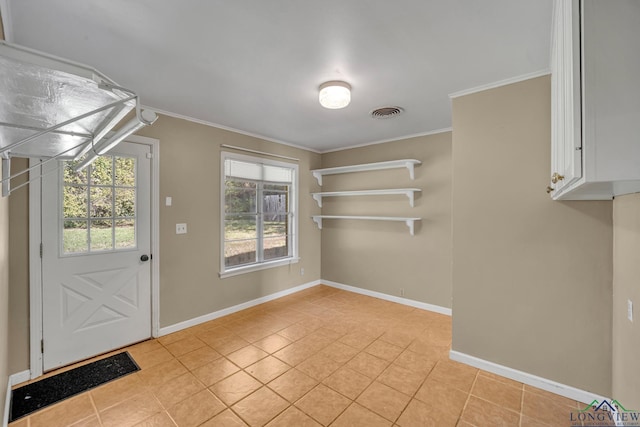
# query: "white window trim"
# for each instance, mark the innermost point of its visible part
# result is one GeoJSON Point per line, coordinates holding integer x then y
{"type": "Point", "coordinates": [259, 266]}
{"type": "Point", "coordinates": [294, 258]}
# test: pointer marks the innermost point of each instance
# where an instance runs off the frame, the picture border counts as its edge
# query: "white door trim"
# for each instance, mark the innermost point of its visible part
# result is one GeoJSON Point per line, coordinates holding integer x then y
{"type": "Point", "coordinates": [35, 262]}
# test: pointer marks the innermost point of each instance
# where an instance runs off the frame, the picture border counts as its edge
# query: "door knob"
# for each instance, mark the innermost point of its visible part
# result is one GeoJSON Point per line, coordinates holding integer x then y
{"type": "Point", "coordinates": [144, 258]}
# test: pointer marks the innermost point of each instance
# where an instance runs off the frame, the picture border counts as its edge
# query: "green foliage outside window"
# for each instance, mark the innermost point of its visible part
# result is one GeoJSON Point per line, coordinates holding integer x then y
{"type": "Point", "coordinates": [101, 197]}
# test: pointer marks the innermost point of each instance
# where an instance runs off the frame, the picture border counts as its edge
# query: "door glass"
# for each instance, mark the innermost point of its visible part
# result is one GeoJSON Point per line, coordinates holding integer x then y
{"type": "Point", "coordinates": [99, 206]}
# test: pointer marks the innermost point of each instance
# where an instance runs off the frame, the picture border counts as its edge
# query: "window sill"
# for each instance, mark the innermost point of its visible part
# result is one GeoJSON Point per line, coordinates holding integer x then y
{"type": "Point", "coordinates": [257, 267]}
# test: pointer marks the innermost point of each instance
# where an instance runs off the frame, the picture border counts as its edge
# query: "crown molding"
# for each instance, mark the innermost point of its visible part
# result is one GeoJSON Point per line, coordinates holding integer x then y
{"type": "Point", "coordinates": [228, 128]}
{"type": "Point", "coordinates": [384, 141]}
{"type": "Point", "coordinates": [500, 83]}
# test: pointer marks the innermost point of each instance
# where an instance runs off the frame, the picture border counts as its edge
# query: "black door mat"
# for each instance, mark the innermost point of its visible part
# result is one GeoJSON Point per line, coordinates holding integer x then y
{"type": "Point", "coordinates": [38, 395]}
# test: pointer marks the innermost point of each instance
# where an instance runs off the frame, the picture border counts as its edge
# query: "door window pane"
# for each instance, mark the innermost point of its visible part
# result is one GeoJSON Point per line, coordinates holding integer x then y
{"type": "Point", "coordinates": [101, 235]}
{"type": "Point", "coordinates": [74, 237]}
{"type": "Point", "coordinates": [73, 177]}
{"type": "Point", "coordinates": [125, 202]}
{"type": "Point", "coordinates": [76, 202]}
{"type": "Point", "coordinates": [125, 234]}
{"type": "Point", "coordinates": [125, 171]}
{"type": "Point", "coordinates": [101, 171]}
{"type": "Point", "coordinates": [101, 205]}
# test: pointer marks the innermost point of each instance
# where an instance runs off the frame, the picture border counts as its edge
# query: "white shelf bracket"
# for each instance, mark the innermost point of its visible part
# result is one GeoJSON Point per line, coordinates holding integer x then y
{"type": "Point", "coordinates": [318, 176]}
{"type": "Point", "coordinates": [409, 166]}
{"type": "Point", "coordinates": [410, 195]}
{"type": "Point", "coordinates": [410, 223]}
{"type": "Point", "coordinates": [318, 198]}
{"type": "Point", "coordinates": [318, 221]}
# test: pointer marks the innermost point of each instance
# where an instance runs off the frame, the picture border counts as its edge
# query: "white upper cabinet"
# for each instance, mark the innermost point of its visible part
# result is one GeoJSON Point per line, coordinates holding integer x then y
{"type": "Point", "coordinates": [595, 99]}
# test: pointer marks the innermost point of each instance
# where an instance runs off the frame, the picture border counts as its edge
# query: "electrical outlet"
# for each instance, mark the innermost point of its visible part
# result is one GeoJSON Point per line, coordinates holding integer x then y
{"type": "Point", "coordinates": [630, 310]}
{"type": "Point", "coordinates": [302, 271]}
{"type": "Point", "coordinates": [181, 228]}
{"type": "Point", "coordinates": [401, 292]}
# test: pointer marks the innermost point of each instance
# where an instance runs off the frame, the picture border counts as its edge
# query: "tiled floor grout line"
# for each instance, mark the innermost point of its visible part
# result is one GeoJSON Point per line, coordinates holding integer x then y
{"type": "Point", "coordinates": [418, 388]}
{"type": "Point", "coordinates": [354, 400]}
{"type": "Point", "coordinates": [426, 343]}
{"type": "Point", "coordinates": [95, 407]}
{"type": "Point", "coordinates": [466, 402]}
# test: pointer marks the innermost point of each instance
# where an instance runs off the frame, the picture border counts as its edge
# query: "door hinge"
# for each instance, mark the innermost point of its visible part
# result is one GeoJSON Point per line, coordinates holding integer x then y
{"type": "Point", "coordinates": [41, 250]}
{"type": "Point", "coordinates": [42, 346]}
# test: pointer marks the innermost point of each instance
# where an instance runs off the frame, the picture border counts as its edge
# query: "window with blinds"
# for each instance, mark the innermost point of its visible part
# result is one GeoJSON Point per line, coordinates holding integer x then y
{"type": "Point", "coordinates": [259, 202]}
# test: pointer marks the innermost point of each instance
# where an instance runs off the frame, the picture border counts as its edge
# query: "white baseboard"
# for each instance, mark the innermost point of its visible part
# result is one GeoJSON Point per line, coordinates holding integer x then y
{"type": "Point", "coordinates": [387, 297]}
{"type": "Point", "coordinates": [229, 310]}
{"type": "Point", "coordinates": [526, 378]}
{"type": "Point", "coordinates": [14, 379]}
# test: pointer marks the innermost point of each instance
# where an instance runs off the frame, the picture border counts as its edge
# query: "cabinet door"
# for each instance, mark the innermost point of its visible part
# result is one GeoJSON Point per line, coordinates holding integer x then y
{"type": "Point", "coordinates": [566, 145]}
{"type": "Point", "coordinates": [611, 93]}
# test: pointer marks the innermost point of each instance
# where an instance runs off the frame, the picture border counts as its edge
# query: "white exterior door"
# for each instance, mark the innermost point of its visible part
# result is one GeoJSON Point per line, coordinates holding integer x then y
{"type": "Point", "coordinates": [96, 267]}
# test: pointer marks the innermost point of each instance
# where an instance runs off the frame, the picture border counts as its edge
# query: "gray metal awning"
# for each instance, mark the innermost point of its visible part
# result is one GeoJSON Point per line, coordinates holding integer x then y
{"type": "Point", "coordinates": [51, 108]}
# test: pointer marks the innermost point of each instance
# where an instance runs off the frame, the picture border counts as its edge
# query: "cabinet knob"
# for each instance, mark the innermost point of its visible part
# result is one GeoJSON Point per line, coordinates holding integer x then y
{"type": "Point", "coordinates": [550, 189]}
{"type": "Point", "coordinates": [556, 177]}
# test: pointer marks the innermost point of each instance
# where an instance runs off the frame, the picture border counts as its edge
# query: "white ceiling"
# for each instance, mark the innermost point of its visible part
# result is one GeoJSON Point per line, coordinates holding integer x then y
{"type": "Point", "coordinates": [255, 65]}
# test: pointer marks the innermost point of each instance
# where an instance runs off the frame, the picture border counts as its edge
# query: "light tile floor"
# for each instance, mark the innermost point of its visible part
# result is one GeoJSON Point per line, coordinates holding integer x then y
{"type": "Point", "coordinates": [319, 357]}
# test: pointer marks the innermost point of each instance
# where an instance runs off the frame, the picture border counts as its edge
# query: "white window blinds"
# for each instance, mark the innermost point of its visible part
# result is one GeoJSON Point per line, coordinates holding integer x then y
{"type": "Point", "coordinates": [257, 172]}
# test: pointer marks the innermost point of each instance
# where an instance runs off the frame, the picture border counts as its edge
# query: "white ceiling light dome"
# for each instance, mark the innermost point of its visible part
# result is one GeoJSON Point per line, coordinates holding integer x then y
{"type": "Point", "coordinates": [335, 94]}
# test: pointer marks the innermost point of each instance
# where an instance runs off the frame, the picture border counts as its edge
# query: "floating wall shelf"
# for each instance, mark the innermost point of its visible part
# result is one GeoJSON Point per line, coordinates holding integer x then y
{"type": "Point", "coordinates": [410, 222]}
{"type": "Point", "coordinates": [409, 192]}
{"type": "Point", "coordinates": [393, 164]}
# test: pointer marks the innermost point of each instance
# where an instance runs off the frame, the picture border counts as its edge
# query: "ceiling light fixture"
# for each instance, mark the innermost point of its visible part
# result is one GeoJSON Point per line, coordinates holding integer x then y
{"type": "Point", "coordinates": [335, 94]}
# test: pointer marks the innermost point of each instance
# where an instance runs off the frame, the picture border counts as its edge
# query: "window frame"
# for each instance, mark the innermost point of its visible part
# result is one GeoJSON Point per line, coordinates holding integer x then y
{"type": "Point", "coordinates": [293, 212]}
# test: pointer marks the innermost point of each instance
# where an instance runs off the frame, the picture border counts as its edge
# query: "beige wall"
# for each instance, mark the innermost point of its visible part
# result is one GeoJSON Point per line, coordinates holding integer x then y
{"type": "Point", "coordinates": [19, 271]}
{"type": "Point", "coordinates": [190, 174]}
{"type": "Point", "coordinates": [4, 298]}
{"type": "Point", "coordinates": [532, 278]}
{"type": "Point", "coordinates": [383, 256]}
{"type": "Point", "coordinates": [626, 286]}
{"type": "Point", "coordinates": [189, 283]}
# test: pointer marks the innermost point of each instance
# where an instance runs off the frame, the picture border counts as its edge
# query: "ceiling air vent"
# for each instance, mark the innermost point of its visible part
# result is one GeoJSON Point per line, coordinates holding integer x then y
{"type": "Point", "coordinates": [386, 112]}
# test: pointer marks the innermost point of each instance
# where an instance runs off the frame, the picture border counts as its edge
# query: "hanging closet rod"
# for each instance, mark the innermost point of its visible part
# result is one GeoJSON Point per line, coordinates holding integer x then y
{"type": "Point", "coordinates": [65, 123]}
{"type": "Point", "coordinates": [7, 176]}
{"type": "Point", "coordinates": [248, 150]}
{"type": "Point", "coordinates": [58, 132]}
